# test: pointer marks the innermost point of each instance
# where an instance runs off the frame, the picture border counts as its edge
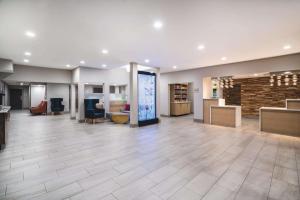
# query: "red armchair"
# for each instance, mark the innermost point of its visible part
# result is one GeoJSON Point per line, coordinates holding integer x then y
{"type": "Point", "coordinates": [40, 109]}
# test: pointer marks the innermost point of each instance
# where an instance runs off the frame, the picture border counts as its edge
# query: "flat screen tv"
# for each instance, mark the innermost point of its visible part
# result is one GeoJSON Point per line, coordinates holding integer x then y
{"type": "Point", "coordinates": [146, 98]}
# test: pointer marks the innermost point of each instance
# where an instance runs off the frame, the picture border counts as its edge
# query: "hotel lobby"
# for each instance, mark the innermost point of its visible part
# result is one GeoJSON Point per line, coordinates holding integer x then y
{"type": "Point", "coordinates": [149, 100]}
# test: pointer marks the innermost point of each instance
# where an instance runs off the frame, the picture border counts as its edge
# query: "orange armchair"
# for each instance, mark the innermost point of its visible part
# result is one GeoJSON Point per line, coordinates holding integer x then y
{"type": "Point", "coordinates": [40, 109]}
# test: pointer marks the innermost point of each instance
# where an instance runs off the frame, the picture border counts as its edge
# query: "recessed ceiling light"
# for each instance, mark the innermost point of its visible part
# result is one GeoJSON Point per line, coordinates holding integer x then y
{"type": "Point", "coordinates": [201, 47]}
{"type": "Point", "coordinates": [174, 67]}
{"type": "Point", "coordinates": [30, 34]}
{"type": "Point", "coordinates": [158, 25]}
{"type": "Point", "coordinates": [285, 47]}
{"type": "Point", "coordinates": [26, 60]}
{"type": "Point", "coordinates": [104, 51]}
{"type": "Point", "coordinates": [21, 83]}
{"type": "Point", "coordinates": [68, 65]}
{"type": "Point", "coordinates": [104, 65]}
{"type": "Point", "coordinates": [82, 62]}
{"type": "Point", "coordinates": [86, 83]}
{"type": "Point", "coordinates": [147, 61]}
{"type": "Point", "coordinates": [224, 58]}
{"type": "Point", "coordinates": [255, 74]}
{"type": "Point", "coordinates": [27, 53]}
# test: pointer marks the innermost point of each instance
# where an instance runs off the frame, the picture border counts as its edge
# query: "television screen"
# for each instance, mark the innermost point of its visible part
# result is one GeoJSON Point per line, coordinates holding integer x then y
{"type": "Point", "coordinates": [146, 97]}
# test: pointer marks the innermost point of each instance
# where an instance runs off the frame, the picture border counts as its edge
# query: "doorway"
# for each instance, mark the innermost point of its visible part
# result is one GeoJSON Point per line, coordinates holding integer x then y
{"type": "Point", "coordinates": [15, 99]}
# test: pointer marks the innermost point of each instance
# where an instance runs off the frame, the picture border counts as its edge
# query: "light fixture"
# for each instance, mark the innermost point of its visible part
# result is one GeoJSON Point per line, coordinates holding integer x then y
{"type": "Point", "coordinates": [286, 47]}
{"type": "Point", "coordinates": [224, 58]}
{"type": "Point", "coordinates": [272, 80]}
{"type": "Point", "coordinates": [68, 65]}
{"type": "Point", "coordinates": [158, 25]}
{"type": "Point", "coordinates": [82, 62]}
{"type": "Point", "coordinates": [104, 65]}
{"type": "Point", "coordinates": [104, 51]}
{"type": "Point", "coordinates": [147, 60]}
{"type": "Point", "coordinates": [255, 74]}
{"type": "Point", "coordinates": [279, 80]}
{"type": "Point", "coordinates": [21, 83]}
{"type": "Point", "coordinates": [201, 47]}
{"type": "Point", "coordinates": [286, 80]}
{"type": "Point", "coordinates": [174, 67]}
{"type": "Point", "coordinates": [86, 83]}
{"type": "Point", "coordinates": [27, 53]}
{"type": "Point", "coordinates": [30, 34]}
{"type": "Point", "coordinates": [221, 83]}
{"type": "Point", "coordinates": [26, 60]}
{"type": "Point", "coordinates": [231, 82]}
{"type": "Point", "coordinates": [295, 78]}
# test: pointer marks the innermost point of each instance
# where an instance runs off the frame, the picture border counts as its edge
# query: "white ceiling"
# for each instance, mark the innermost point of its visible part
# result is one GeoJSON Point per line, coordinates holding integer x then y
{"type": "Point", "coordinates": [68, 31]}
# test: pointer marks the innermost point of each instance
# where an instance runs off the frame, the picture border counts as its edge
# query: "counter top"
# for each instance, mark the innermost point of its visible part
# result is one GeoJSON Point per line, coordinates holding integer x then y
{"type": "Point", "coordinates": [279, 108]}
{"type": "Point", "coordinates": [293, 100]}
{"type": "Point", "coordinates": [228, 106]}
{"type": "Point", "coordinates": [4, 109]}
{"type": "Point", "coordinates": [182, 102]}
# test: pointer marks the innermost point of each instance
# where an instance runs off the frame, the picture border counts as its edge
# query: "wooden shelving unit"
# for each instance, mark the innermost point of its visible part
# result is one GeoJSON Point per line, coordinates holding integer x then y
{"type": "Point", "coordinates": [179, 97]}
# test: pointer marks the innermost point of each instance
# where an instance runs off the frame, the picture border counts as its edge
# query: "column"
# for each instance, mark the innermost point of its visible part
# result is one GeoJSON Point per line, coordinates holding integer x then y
{"type": "Point", "coordinates": [106, 97]}
{"type": "Point", "coordinates": [158, 94]}
{"type": "Point", "coordinates": [133, 94]}
{"type": "Point", "coordinates": [73, 102]}
{"type": "Point", "coordinates": [80, 116]}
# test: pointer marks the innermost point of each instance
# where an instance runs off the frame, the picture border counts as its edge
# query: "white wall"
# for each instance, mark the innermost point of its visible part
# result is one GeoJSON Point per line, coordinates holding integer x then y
{"type": "Point", "coordinates": [289, 62]}
{"type": "Point", "coordinates": [55, 90]}
{"type": "Point", "coordinates": [39, 74]}
{"type": "Point", "coordinates": [37, 94]}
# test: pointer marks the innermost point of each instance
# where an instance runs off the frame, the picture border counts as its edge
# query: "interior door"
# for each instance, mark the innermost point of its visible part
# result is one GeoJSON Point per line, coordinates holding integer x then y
{"type": "Point", "coordinates": [16, 99]}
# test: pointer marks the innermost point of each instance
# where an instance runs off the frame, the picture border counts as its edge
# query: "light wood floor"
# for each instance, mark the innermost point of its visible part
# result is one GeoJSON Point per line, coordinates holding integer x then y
{"type": "Point", "coordinates": [52, 157]}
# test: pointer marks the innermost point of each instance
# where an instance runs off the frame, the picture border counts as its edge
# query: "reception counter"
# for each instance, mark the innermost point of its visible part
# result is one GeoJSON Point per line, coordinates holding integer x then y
{"type": "Point", "coordinates": [207, 103]}
{"type": "Point", "coordinates": [280, 120]}
{"type": "Point", "coordinates": [293, 103]}
{"type": "Point", "coordinates": [229, 116]}
{"type": "Point", "coordinates": [4, 114]}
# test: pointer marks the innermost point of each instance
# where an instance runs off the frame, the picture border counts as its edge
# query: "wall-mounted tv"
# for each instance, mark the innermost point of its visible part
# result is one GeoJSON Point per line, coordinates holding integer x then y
{"type": "Point", "coordinates": [146, 98]}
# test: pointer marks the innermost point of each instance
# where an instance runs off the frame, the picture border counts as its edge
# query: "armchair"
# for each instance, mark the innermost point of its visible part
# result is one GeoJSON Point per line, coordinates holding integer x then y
{"type": "Point", "coordinates": [40, 109]}
{"type": "Point", "coordinates": [56, 105]}
{"type": "Point", "coordinates": [91, 112]}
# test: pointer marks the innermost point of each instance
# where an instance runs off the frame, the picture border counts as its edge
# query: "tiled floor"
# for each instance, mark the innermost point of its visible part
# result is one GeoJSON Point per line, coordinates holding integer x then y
{"type": "Point", "coordinates": [52, 157]}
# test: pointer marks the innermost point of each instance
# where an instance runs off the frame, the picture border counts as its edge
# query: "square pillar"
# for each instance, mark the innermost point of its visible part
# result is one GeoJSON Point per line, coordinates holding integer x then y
{"type": "Point", "coordinates": [80, 116]}
{"type": "Point", "coordinates": [73, 102]}
{"type": "Point", "coordinates": [133, 94]}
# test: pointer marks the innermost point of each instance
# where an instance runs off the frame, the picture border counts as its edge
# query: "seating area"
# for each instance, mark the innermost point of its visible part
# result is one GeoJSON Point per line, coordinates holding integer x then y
{"type": "Point", "coordinates": [40, 109]}
{"type": "Point", "coordinates": [56, 105]}
{"type": "Point", "coordinates": [92, 111]}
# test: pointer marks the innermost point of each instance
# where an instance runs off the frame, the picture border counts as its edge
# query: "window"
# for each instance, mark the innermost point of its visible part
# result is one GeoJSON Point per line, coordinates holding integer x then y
{"type": "Point", "coordinates": [98, 89]}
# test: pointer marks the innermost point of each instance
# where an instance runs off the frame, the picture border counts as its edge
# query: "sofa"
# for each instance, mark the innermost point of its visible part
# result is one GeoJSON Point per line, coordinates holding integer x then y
{"type": "Point", "coordinates": [40, 109]}
{"type": "Point", "coordinates": [56, 105]}
{"type": "Point", "coordinates": [91, 111]}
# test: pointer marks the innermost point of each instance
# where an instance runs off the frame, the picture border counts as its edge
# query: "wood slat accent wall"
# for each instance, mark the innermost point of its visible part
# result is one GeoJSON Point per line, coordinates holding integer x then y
{"type": "Point", "coordinates": [257, 92]}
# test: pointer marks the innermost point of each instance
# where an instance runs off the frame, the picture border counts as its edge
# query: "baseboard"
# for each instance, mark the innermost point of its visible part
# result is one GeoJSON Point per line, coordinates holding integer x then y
{"type": "Point", "coordinates": [81, 120]}
{"type": "Point", "coordinates": [163, 115]}
{"type": "Point", "coordinates": [198, 120]}
{"type": "Point", "coordinates": [72, 118]}
{"type": "Point", "coordinates": [134, 125]}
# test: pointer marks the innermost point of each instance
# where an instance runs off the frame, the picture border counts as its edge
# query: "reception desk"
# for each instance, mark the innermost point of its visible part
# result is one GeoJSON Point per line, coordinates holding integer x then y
{"type": "Point", "coordinates": [4, 114]}
{"type": "Point", "coordinates": [293, 103]}
{"type": "Point", "coordinates": [280, 120]}
{"type": "Point", "coordinates": [229, 116]}
{"type": "Point", "coordinates": [207, 103]}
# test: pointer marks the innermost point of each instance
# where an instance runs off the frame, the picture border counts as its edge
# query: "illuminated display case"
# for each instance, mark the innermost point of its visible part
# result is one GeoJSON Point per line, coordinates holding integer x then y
{"type": "Point", "coordinates": [146, 98]}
